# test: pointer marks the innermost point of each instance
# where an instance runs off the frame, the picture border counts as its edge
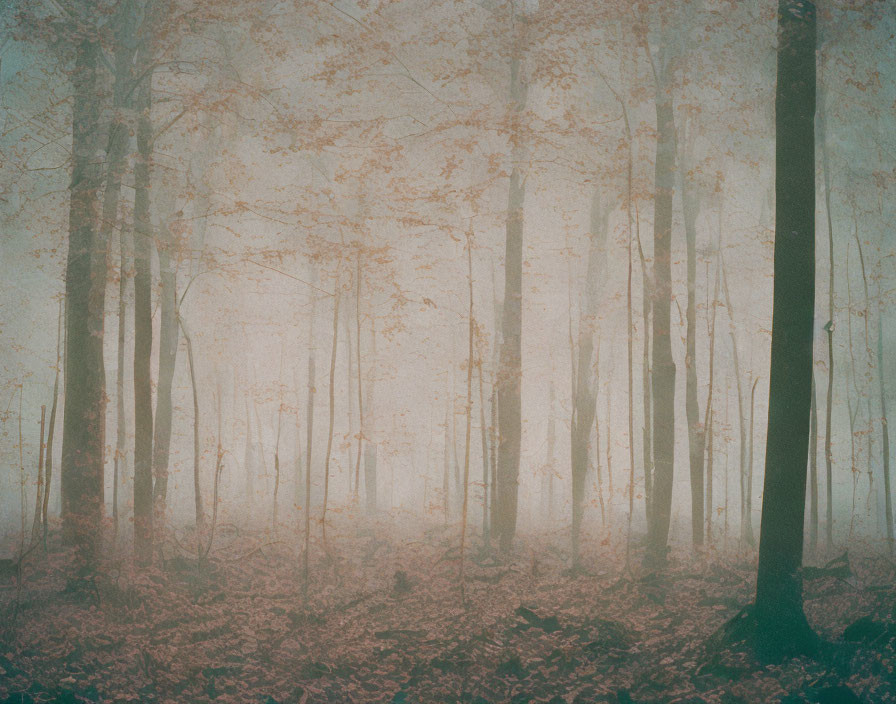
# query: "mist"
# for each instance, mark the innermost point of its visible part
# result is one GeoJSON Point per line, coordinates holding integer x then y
{"type": "Point", "coordinates": [446, 351]}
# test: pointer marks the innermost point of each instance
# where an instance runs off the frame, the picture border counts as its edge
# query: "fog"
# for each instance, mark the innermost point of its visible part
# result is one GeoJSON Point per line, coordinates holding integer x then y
{"type": "Point", "coordinates": [333, 242]}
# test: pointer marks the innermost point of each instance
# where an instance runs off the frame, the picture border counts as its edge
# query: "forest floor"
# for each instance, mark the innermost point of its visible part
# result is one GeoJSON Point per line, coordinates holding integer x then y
{"type": "Point", "coordinates": [384, 622]}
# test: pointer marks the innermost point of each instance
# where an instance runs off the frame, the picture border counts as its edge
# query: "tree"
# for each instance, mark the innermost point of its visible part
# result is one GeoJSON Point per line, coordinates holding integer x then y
{"type": "Point", "coordinates": [83, 427]}
{"type": "Point", "coordinates": [585, 379]}
{"type": "Point", "coordinates": [663, 367]}
{"type": "Point", "coordinates": [143, 416]}
{"type": "Point", "coordinates": [781, 623]}
{"type": "Point", "coordinates": [510, 373]}
{"type": "Point", "coordinates": [690, 199]}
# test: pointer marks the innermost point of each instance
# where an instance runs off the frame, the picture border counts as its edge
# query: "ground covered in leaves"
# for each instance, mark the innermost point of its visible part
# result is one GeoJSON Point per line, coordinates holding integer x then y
{"type": "Point", "coordinates": [383, 621]}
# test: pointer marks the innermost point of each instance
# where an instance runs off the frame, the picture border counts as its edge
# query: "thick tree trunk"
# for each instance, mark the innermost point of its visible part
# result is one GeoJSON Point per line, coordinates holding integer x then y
{"type": "Point", "coordinates": [83, 431]}
{"type": "Point", "coordinates": [119, 140]}
{"type": "Point", "coordinates": [779, 604]}
{"type": "Point", "coordinates": [663, 372]}
{"type": "Point", "coordinates": [143, 419]}
{"type": "Point", "coordinates": [510, 374]}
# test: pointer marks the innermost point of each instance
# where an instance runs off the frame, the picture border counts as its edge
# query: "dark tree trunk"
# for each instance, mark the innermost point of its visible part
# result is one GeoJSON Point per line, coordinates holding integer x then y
{"type": "Point", "coordinates": [782, 626]}
{"type": "Point", "coordinates": [83, 430]}
{"type": "Point", "coordinates": [143, 420]}
{"type": "Point", "coordinates": [663, 371]}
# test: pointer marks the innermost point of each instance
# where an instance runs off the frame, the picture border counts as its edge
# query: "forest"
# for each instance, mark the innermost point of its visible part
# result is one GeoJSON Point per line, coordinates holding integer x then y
{"type": "Point", "coordinates": [420, 351]}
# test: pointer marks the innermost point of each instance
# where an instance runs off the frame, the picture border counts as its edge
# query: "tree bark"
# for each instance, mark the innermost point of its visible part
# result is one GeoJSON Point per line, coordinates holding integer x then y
{"type": "Point", "coordinates": [746, 493]}
{"type": "Point", "coordinates": [663, 372]}
{"type": "Point", "coordinates": [510, 374]}
{"type": "Point", "coordinates": [118, 142]}
{"type": "Point", "coordinates": [813, 468]}
{"type": "Point", "coordinates": [782, 626]}
{"type": "Point", "coordinates": [197, 488]}
{"type": "Point", "coordinates": [358, 359]}
{"type": "Point", "coordinates": [121, 438]}
{"type": "Point", "coordinates": [469, 419]}
{"type": "Point", "coordinates": [370, 450]}
{"type": "Point", "coordinates": [696, 429]}
{"type": "Point", "coordinates": [485, 466]}
{"type": "Point", "coordinates": [332, 383]}
{"type": "Point", "coordinates": [708, 415]}
{"type": "Point", "coordinates": [274, 518]}
{"type": "Point", "coordinates": [39, 495]}
{"type": "Point", "coordinates": [884, 429]}
{"type": "Point", "coordinates": [829, 329]}
{"type": "Point", "coordinates": [309, 437]}
{"type": "Point", "coordinates": [143, 418]}
{"type": "Point", "coordinates": [585, 397]}
{"type": "Point", "coordinates": [168, 343]}
{"type": "Point", "coordinates": [52, 428]}
{"type": "Point", "coordinates": [83, 429]}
